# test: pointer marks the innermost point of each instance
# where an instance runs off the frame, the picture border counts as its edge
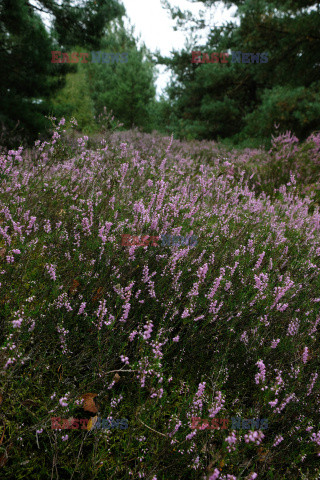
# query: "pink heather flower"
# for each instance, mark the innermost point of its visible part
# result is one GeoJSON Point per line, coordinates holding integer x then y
{"type": "Point", "coordinates": [215, 475]}
{"type": "Point", "coordinates": [218, 404]}
{"type": "Point", "coordinates": [244, 337]}
{"type": "Point", "coordinates": [86, 226]}
{"type": "Point", "coordinates": [215, 287]}
{"type": "Point", "coordinates": [231, 440]}
{"type": "Point", "coordinates": [287, 399]}
{"type": "Point", "coordinates": [9, 362]}
{"type": "Point", "coordinates": [51, 271]}
{"type": "Point", "coordinates": [280, 291]}
{"type": "Point", "coordinates": [253, 476]}
{"type": "Point", "coordinates": [158, 394]}
{"type": "Point", "coordinates": [62, 402]}
{"type": "Point", "coordinates": [314, 377]}
{"type": "Point", "coordinates": [47, 227]}
{"type": "Point", "coordinates": [132, 335]}
{"type": "Point", "coordinates": [278, 440]}
{"type": "Point", "coordinates": [315, 437]}
{"type": "Point", "coordinates": [124, 359]}
{"type": "Point", "coordinates": [258, 264]}
{"type": "Point", "coordinates": [82, 307]}
{"type": "Point", "coordinates": [262, 374]}
{"type": "Point", "coordinates": [64, 438]}
{"type": "Point", "coordinates": [281, 307]}
{"type": "Point", "coordinates": [176, 428]}
{"type": "Point", "coordinates": [198, 403]}
{"type": "Point", "coordinates": [148, 329]}
{"type": "Point", "coordinates": [191, 435]}
{"type": "Point", "coordinates": [176, 339]}
{"type": "Point", "coordinates": [202, 271]}
{"type": "Point", "coordinates": [256, 437]}
{"type": "Point", "coordinates": [274, 343]}
{"type": "Point", "coordinates": [40, 431]}
{"type": "Point", "coordinates": [17, 323]}
{"type": "Point", "coordinates": [16, 251]}
{"type": "Point", "coordinates": [185, 313]}
{"type": "Point", "coordinates": [293, 327]}
{"type": "Point", "coordinates": [63, 334]}
{"type": "Point", "coordinates": [201, 389]}
{"type": "Point", "coordinates": [305, 355]}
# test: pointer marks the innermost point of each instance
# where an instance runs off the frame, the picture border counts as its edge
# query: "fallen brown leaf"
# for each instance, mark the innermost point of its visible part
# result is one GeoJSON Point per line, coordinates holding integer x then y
{"type": "Point", "coordinates": [2, 252]}
{"type": "Point", "coordinates": [1, 398]}
{"type": "Point", "coordinates": [4, 457]}
{"type": "Point", "coordinates": [89, 404]}
{"type": "Point", "coordinates": [60, 366]}
{"type": "Point", "coordinates": [73, 288]}
{"type": "Point", "coordinates": [4, 428]}
{"type": "Point", "coordinates": [116, 378]}
{"type": "Point", "coordinates": [98, 294]}
{"type": "Point", "coordinates": [262, 454]}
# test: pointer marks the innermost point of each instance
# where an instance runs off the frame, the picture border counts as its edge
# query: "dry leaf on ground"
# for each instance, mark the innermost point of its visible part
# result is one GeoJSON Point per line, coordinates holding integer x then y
{"type": "Point", "coordinates": [116, 378]}
{"type": "Point", "coordinates": [74, 287]}
{"type": "Point", "coordinates": [98, 294]}
{"type": "Point", "coordinates": [88, 402]}
{"type": "Point", "coordinates": [4, 457]}
{"type": "Point", "coordinates": [1, 439]}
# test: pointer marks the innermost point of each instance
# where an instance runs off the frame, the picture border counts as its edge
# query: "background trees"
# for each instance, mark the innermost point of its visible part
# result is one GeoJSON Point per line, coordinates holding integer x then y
{"type": "Point", "coordinates": [241, 100]}
{"type": "Point", "coordinates": [28, 78]}
{"type": "Point", "coordinates": [126, 88]}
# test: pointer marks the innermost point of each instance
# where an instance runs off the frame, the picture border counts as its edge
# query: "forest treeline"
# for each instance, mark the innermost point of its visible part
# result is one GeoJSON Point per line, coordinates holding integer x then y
{"type": "Point", "coordinates": [241, 102]}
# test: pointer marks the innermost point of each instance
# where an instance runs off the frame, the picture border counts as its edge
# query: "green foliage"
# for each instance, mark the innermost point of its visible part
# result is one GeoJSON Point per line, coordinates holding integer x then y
{"type": "Point", "coordinates": [70, 283]}
{"type": "Point", "coordinates": [74, 100]}
{"type": "Point", "coordinates": [28, 78]}
{"type": "Point", "coordinates": [126, 88]}
{"type": "Point", "coordinates": [245, 100]}
{"type": "Point", "coordinates": [296, 108]}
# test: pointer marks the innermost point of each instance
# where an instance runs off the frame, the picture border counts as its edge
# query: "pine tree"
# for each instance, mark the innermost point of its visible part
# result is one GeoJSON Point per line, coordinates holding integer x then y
{"type": "Point", "coordinates": [28, 78]}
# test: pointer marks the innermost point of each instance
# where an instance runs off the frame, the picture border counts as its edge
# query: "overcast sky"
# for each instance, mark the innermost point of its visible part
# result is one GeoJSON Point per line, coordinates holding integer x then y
{"type": "Point", "coordinates": [155, 25]}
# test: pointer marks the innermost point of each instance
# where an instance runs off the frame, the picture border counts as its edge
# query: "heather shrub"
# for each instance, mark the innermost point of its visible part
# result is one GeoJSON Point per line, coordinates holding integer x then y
{"type": "Point", "coordinates": [158, 335]}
